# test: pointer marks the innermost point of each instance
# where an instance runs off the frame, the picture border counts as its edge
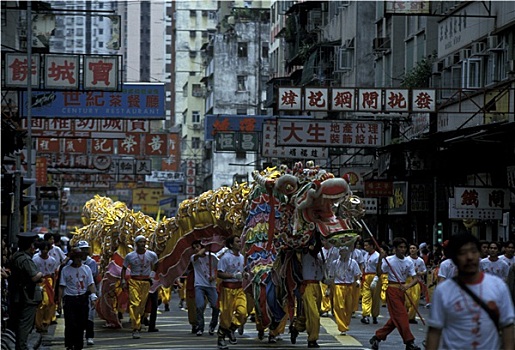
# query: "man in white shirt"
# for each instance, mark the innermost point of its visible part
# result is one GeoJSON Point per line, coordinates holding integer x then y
{"type": "Point", "coordinates": [205, 265]}
{"type": "Point", "coordinates": [399, 268]}
{"type": "Point", "coordinates": [48, 266]}
{"type": "Point", "coordinates": [143, 264]}
{"type": "Point", "coordinates": [493, 264]}
{"type": "Point", "coordinates": [370, 297]}
{"type": "Point", "coordinates": [414, 292]}
{"type": "Point", "coordinates": [509, 250]}
{"type": "Point", "coordinates": [456, 320]}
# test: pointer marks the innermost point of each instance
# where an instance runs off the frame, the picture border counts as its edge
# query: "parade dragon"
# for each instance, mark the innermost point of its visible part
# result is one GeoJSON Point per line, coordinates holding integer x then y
{"type": "Point", "coordinates": [282, 213]}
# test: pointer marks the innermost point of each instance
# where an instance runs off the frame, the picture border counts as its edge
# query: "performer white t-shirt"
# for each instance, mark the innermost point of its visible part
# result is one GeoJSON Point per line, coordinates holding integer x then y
{"type": "Point", "coordinates": [230, 263]}
{"type": "Point", "coordinates": [420, 265]}
{"type": "Point", "coordinates": [447, 269]}
{"type": "Point", "coordinates": [499, 267]}
{"type": "Point", "coordinates": [204, 269]}
{"type": "Point", "coordinates": [509, 261]}
{"type": "Point", "coordinates": [371, 261]}
{"type": "Point", "coordinates": [464, 324]}
{"type": "Point", "coordinates": [312, 268]}
{"type": "Point", "coordinates": [57, 253]}
{"type": "Point", "coordinates": [401, 268]}
{"type": "Point", "coordinates": [344, 270]}
{"type": "Point", "coordinates": [47, 266]}
{"type": "Point", "coordinates": [76, 279]}
{"type": "Point", "coordinates": [140, 264]}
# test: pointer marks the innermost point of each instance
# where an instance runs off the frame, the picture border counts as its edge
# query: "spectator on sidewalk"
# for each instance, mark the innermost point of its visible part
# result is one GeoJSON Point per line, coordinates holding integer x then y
{"type": "Point", "coordinates": [24, 290]}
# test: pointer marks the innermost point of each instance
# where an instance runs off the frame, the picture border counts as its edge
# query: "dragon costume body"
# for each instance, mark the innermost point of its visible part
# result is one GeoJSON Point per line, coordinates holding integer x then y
{"type": "Point", "coordinates": [279, 215]}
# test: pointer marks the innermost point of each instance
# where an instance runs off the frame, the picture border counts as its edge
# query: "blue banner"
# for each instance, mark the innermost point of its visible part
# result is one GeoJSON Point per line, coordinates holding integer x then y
{"type": "Point", "coordinates": [136, 101]}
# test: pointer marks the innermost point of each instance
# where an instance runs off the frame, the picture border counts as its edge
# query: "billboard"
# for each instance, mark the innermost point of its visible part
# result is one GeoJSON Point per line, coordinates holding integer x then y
{"type": "Point", "coordinates": [136, 101]}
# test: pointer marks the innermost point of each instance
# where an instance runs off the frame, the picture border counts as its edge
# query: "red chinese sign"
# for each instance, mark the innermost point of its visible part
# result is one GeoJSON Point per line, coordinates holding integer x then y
{"type": "Point", "coordinates": [41, 171]}
{"type": "Point", "coordinates": [17, 70]}
{"type": "Point", "coordinates": [171, 163]}
{"type": "Point", "coordinates": [377, 188]}
{"type": "Point", "coordinates": [156, 145]}
{"type": "Point", "coordinates": [290, 99]}
{"type": "Point", "coordinates": [314, 133]}
{"type": "Point", "coordinates": [61, 72]}
{"type": "Point", "coordinates": [100, 73]}
{"type": "Point", "coordinates": [130, 145]}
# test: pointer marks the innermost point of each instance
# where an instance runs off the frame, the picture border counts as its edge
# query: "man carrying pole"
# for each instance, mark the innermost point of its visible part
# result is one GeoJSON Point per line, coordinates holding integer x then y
{"type": "Point", "coordinates": [399, 268]}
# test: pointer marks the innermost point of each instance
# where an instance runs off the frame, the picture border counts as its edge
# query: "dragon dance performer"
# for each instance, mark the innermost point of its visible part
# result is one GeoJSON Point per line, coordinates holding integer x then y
{"type": "Point", "coordinates": [142, 263]}
{"type": "Point", "coordinates": [330, 254]}
{"type": "Point", "coordinates": [232, 299]}
{"type": "Point", "coordinates": [48, 266]}
{"type": "Point", "coordinates": [399, 268]}
{"type": "Point", "coordinates": [414, 292]}
{"type": "Point", "coordinates": [346, 273]}
{"type": "Point", "coordinates": [311, 298]}
{"type": "Point", "coordinates": [370, 297]}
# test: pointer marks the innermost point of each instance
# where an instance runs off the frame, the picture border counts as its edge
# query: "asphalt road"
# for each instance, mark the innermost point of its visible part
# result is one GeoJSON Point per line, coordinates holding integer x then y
{"type": "Point", "coordinates": [175, 333]}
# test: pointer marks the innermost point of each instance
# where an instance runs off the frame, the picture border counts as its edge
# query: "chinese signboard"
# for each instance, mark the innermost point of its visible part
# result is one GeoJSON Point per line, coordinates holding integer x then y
{"type": "Point", "coordinates": [270, 149]}
{"type": "Point", "coordinates": [482, 198]}
{"type": "Point", "coordinates": [233, 123]}
{"type": "Point", "coordinates": [147, 196]}
{"type": "Point", "coordinates": [472, 213]}
{"type": "Point", "coordinates": [136, 101]}
{"type": "Point", "coordinates": [329, 133]}
{"type": "Point", "coordinates": [85, 127]}
{"type": "Point", "coordinates": [355, 99]}
{"type": "Point", "coordinates": [163, 176]}
{"type": "Point", "coordinates": [378, 188]}
{"type": "Point", "coordinates": [420, 197]}
{"type": "Point", "coordinates": [64, 72]}
{"type": "Point", "coordinates": [237, 142]}
{"type": "Point", "coordinates": [398, 203]}
{"type": "Point", "coordinates": [410, 7]}
{"type": "Point", "coordinates": [171, 163]}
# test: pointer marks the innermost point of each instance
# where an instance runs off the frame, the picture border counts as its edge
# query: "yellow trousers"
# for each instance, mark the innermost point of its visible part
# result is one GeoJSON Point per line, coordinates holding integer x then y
{"type": "Point", "coordinates": [370, 299]}
{"type": "Point", "coordinates": [343, 303]}
{"type": "Point", "coordinates": [46, 310]}
{"type": "Point", "coordinates": [165, 293]}
{"type": "Point", "coordinates": [356, 292]}
{"type": "Point", "coordinates": [414, 295]}
{"type": "Point", "coordinates": [233, 308]}
{"type": "Point", "coordinates": [326, 300]}
{"type": "Point", "coordinates": [384, 287]}
{"type": "Point", "coordinates": [309, 321]}
{"type": "Point", "coordinates": [138, 294]}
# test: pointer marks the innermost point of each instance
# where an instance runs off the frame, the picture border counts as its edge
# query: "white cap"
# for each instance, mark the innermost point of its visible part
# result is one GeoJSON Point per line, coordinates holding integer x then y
{"type": "Point", "coordinates": [139, 238]}
{"type": "Point", "coordinates": [65, 239]}
{"type": "Point", "coordinates": [83, 244]}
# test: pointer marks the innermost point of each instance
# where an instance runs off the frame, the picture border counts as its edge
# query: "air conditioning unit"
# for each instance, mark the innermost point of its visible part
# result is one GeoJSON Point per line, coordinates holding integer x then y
{"type": "Point", "coordinates": [438, 67]}
{"type": "Point", "coordinates": [510, 66]}
{"type": "Point", "coordinates": [196, 126]}
{"type": "Point", "coordinates": [492, 42]}
{"type": "Point", "coordinates": [477, 49]}
{"type": "Point", "coordinates": [464, 54]}
{"type": "Point", "coordinates": [381, 44]}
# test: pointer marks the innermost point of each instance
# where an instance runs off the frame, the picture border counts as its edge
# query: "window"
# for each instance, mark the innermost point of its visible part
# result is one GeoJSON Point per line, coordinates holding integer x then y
{"type": "Point", "coordinates": [264, 50]}
{"type": "Point", "coordinates": [80, 21]}
{"type": "Point", "coordinates": [195, 142]}
{"type": "Point", "coordinates": [241, 111]}
{"type": "Point", "coordinates": [100, 31]}
{"type": "Point", "coordinates": [196, 90]}
{"type": "Point", "coordinates": [100, 44]}
{"type": "Point", "coordinates": [80, 32]}
{"type": "Point", "coordinates": [242, 86]}
{"type": "Point", "coordinates": [195, 116]}
{"type": "Point", "coordinates": [472, 73]}
{"type": "Point", "coordinates": [193, 13]}
{"type": "Point", "coordinates": [242, 50]}
{"type": "Point", "coordinates": [193, 34]}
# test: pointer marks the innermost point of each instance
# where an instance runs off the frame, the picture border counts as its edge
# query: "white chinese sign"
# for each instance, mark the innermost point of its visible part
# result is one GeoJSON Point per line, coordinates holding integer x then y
{"type": "Point", "coordinates": [482, 198]}
{"type": "Point", "coordinates": [270, 149]}
{"type": "Point", "coordinates": [472, 213]}
{"type": "Point", "coordinates": [314, 133]}
{"type": "Point", "coordinates": [101, 73]}
{"type": "Point", "coordinates": [17, 70]}
{"type": "Point", "coordinates": [290, 99]}
{"type": "Point", "coordinates": [61, 72]}
{"type": "Point", "coordinates": [316, 99]}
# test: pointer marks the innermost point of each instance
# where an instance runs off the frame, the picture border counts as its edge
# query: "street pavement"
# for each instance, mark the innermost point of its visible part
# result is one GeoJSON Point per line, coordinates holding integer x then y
{"type": "Point", "coordinates": [175, 333]}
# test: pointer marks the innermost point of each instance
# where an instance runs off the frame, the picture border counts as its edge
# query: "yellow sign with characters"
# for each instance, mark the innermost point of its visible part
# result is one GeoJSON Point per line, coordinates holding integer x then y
{"type": "Point", "coordinates": [147, 196]}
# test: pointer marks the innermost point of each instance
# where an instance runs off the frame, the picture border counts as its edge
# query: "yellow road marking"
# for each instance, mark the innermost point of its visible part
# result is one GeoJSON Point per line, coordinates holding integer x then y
{"type": "Point", "coordinates": [331, 328]}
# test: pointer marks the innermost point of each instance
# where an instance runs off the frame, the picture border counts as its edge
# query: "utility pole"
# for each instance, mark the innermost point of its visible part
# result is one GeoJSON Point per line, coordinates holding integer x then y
{"type": "Point", "coordinates": [29, 111]}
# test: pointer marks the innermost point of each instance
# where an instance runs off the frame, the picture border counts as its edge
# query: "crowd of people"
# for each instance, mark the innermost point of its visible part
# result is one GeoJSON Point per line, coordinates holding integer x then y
{"type": "Point", "coordinates": [463, 281]}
